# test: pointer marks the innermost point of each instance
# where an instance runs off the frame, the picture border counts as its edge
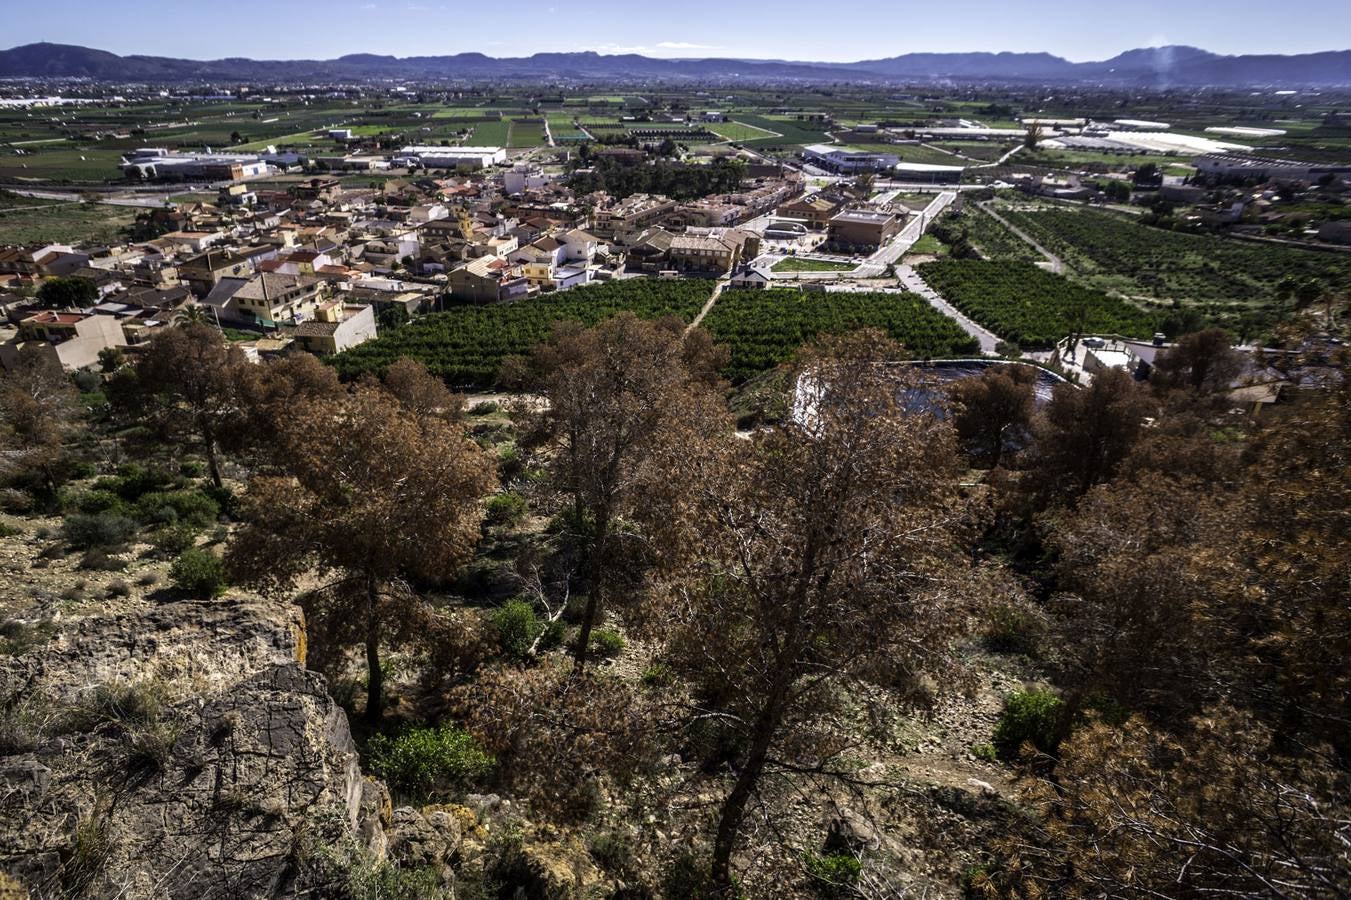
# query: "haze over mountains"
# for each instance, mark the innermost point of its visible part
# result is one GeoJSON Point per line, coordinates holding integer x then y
{"type": "Point", "coordinates": [1148, 67]}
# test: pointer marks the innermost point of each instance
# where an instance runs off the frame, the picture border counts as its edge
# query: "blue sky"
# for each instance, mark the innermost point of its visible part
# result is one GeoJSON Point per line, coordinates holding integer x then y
{"type": "Point", "coordinates": [778, 29]}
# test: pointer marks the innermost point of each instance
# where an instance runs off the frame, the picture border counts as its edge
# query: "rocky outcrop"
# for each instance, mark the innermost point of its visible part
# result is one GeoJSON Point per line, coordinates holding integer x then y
{"type": "Point", "coordinates": [218, 791]}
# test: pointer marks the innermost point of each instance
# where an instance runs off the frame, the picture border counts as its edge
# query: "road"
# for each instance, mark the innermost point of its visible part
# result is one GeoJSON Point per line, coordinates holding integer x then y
{"type": "Point", "coordinates": [876, 264]}
{"type": "Point", "coordinates": [910, 279]}
{"type": "Point", "coordinates": [147, 202]}
{"type": "Point", "coordinates": [1057, 266]}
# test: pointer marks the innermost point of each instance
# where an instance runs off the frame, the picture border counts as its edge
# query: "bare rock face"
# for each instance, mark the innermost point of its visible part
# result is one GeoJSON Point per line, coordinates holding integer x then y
{"type": "Point", "coordinates": [201, 646]}
{"type": "Point", "coordinates": [218, 792]}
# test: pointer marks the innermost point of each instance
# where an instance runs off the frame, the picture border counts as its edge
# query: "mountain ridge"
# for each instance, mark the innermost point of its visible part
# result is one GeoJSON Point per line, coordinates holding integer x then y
{"type": "Point", "coordinates": [1169, 66]}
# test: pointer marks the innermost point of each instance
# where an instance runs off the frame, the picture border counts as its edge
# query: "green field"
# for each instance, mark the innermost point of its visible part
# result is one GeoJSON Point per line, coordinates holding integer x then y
{"type": "Point", "coordinates": [68, 223]}
{"type": "Point", "coordinates": [765, 328]}
{"type": "Point", "coordinates": [739, 131]}
{"type": "Point", "coordinates": [798, 264]}
{"type": "Point", "coordinates": [991, 238]}
{"type": "Point", "coordinates": [490, 134]}
{"type": "Point", "coordinates": [526, 134]}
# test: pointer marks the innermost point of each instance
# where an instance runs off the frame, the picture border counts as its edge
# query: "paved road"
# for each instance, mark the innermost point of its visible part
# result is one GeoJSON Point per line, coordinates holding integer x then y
{"type": "Point", "coordinates": [912, 282]}
{"type": "Point", "coordinates": [877, 263]}
{"type": "Point", "coordinates": [146, 202]}
{"type": "Point", "coordinates": [1057, 266]}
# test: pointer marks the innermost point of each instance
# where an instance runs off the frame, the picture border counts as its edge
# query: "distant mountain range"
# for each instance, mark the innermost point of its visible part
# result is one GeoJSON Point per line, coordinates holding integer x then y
{"type": "Point", "coordinates": [1153, 67]}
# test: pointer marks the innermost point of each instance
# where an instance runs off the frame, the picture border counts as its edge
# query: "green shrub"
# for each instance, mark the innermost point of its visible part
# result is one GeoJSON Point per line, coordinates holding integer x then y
{"type": "Point", "coordinates": [834, 874]}
{"type": "Point", "coordinates": [1035, 717]}
{"type": "Point", "coordinates": [688, 878]}
{"type": "Point", "coordinates": [420, 761]}
{"type": "Point", "coordinates": [97, 501]}
{"type": "Point", "coordinates": [1014, 628]}
{"type": "Point", "coordinates": [984, 752]}
{"type": "Point", "coordinates": [133, 479]}
{"type": "Point", "coordinates": [506, 509]}
{"type": "Point", "coordinates": [607, 643]}
{"type": "Point", "coordinates": [350, 872]}
{"type": "Point", "coordinates": [199, 573]}
{"type": "Point", "coordinates": [107, 529]}
{"type": "Point", "coordinates": [171, 540]}
{"type": "Point", "coordinates": [510, 462]}
{"type": "Point", "coordinates": [484, 408]}
{"type": "Point", "coordinates": [192, 507]}
{"type": "Point", "coordinates": [224, 497]}
{"type": "Point", "coordinates": [8, 530]}
{"type": "Point", "coordinates": [517, 627]}
{"type": "Point", "coordinates": [97, 559]}
{"type": "Point", "coordinates": [192, 468]}
{"type": "Point", "coordinates": [658, 675]}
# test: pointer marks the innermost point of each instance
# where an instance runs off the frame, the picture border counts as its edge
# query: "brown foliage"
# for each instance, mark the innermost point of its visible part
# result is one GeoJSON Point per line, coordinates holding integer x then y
{"type": "Point", "coordinates": [993, 408]}
{"type": "Point", "coordinates": [420, 392]}
{"type": "Point", "coordinates": [824, 550]}
{"type": "Point", "coordinates": [1084, 434]}
{"type": "Point", "coordinates": [372, 494]}
{"type": "Point", "coordinates": [187, 381]}
{"type": "Point", "coordinates": [1202, 363]}
{"type": "Point", "coordinates": [556, 734]}
{"type": "Point", "coordinates": [630, 404]}
{"type": "Point", "coordinates": [39, 410]}
{"type": "Point", "coordinates": [1135, 812]}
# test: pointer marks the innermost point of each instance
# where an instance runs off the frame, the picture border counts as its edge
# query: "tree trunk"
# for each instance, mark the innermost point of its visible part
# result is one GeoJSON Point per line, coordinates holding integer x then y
{"type": "Point", "coordinates": [734, 807]}
{"type": "Point", "coordinates": [212, 464]}
{"type": "Point", "coordinates": [595, 575]}
{"type": "Point", "coordinates": [375, 675]}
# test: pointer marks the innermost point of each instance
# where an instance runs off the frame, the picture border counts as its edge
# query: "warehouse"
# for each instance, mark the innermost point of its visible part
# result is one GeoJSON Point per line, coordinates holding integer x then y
{"type": "Point", "coordinates": [842, 159]}
{"type": "Point", "coordinates": [155, 163]}
{"type": "Point", "coordinates": [922, 173]}
{"type": "Point", "coordinates": [451, 157]}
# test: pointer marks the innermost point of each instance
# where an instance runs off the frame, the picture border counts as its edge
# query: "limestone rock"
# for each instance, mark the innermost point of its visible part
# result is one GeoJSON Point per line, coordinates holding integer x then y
{"type": "Point", "coordinates": [216, 795]}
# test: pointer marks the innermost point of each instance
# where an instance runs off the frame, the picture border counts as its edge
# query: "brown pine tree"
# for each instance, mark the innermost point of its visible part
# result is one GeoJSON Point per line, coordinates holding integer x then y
{"type": "Point", "coordinates": [188, 382]}
{"type": "Point", "coordinates": [826, 549]}
{"type": "Point", "coordinates": [626, 402]}
{"type": "Point", "coordinates": [372, 498]}
{"type": "Point", "coordinates": [39, 409]}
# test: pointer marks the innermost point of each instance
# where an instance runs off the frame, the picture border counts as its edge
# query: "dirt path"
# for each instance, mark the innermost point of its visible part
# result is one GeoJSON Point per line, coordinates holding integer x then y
{"type": "Point", "coordinates": [717, 292]}
{"type": "Point", "coordinates": [1057, 266]}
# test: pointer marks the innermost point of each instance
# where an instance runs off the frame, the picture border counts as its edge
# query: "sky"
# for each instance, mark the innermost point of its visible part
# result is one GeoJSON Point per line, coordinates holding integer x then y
{"type": "Point", "coordinates": [779, 29]}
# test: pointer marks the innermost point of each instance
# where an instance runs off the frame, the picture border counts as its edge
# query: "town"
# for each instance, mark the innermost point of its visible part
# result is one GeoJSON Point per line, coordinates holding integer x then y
{"type": "Point", "coordinates": [594, 475]}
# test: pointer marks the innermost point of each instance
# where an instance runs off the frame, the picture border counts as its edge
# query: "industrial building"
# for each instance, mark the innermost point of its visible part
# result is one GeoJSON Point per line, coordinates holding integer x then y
{"type": "Point", "coordinates": [924, 173]}
{"type": "Point", "coordinates": [158, 163]}
{"type": "Point", "coordinates": [844, 160]}
{"type": "Point", "coordinates": [451, 157]}
{"type": "Point", "coordinates": [1225, 166]}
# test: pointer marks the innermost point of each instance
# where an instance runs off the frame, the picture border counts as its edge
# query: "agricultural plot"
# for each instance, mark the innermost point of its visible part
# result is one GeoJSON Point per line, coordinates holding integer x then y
{"type": "Point", "coordinates": [526, 133]}
{"type": "Point", "coordinates": [490, 134]}
{"type": "Point", "coordinates": [765, 328]}
{"type": "Point", "coordinates": [63, 164]}
{"type": "Point", "coordinates": [991, 238]}
{"type": "Point", "coordinates": [564, 129]}
{"type": "Point", "coordinates": [739, 131]}
{"type": "Point", "coordinates": [68, 223]}
{"type": "Point", "coordinates": [1030, 306]}
{"type": "Point", "coordinates": [794, 133]}
{"type": "Point", "coordinates": [466, 345]}
{"type": "Point", "coordinates": [1229, 277]}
